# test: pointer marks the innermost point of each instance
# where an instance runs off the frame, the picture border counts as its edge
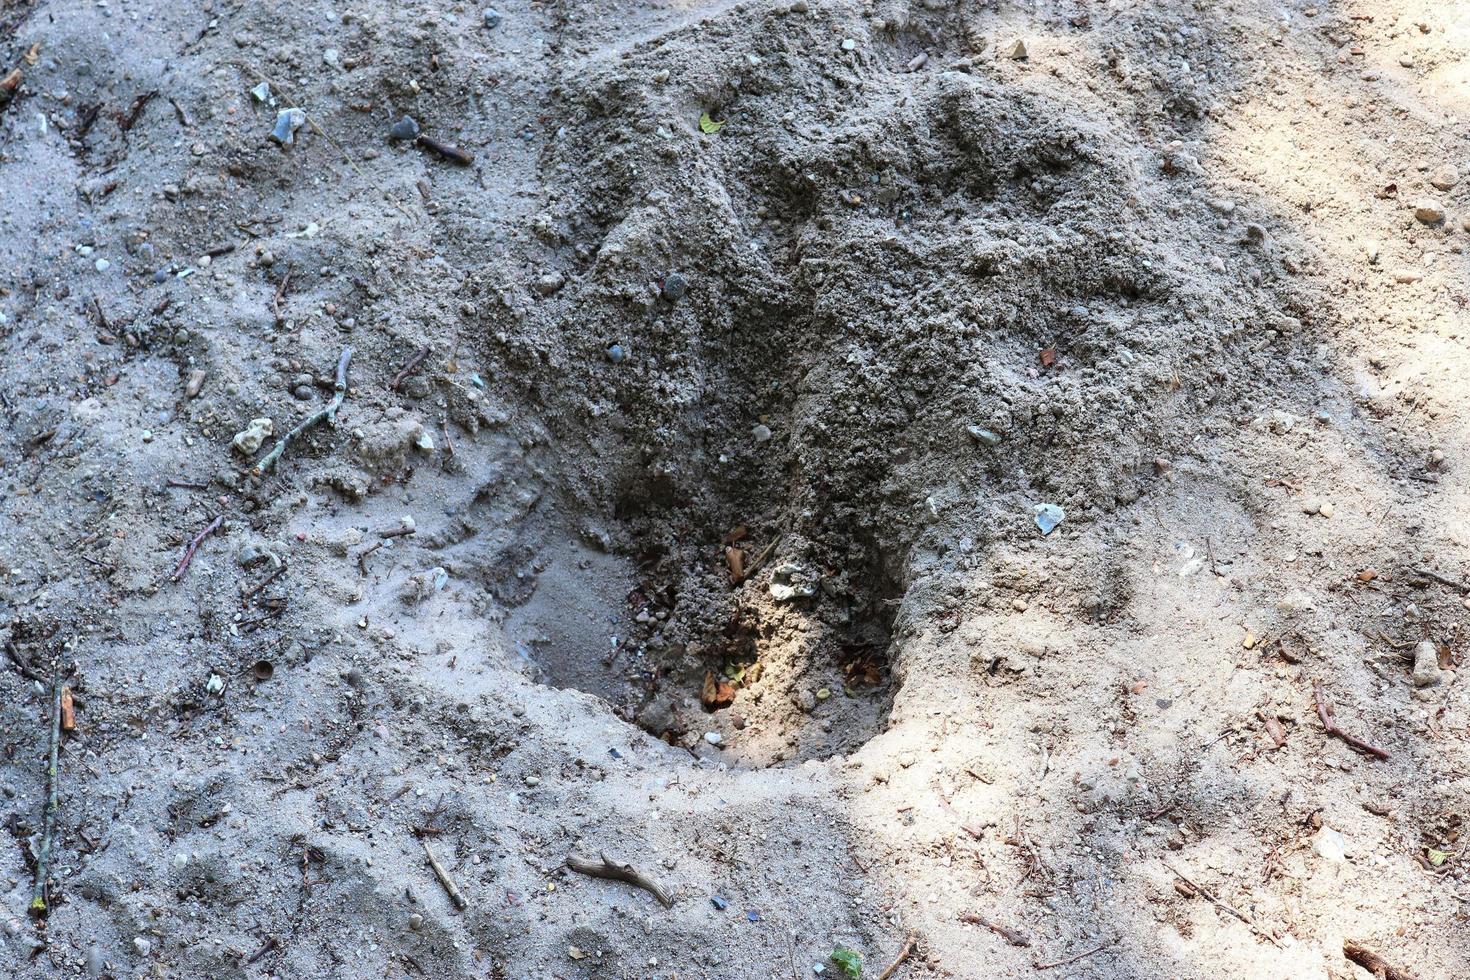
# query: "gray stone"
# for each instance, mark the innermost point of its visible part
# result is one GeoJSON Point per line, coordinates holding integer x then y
{"type": "Point", "coordinates": [675, 286]}
{"type": "Point", "coordinates": [983, 436]}
{"type": "Point", "coordinates": [1426, 664]}
{"type": "Point", "coordinates": [406, 128]}
{"type": "Point", "coordinates": [288, 121]}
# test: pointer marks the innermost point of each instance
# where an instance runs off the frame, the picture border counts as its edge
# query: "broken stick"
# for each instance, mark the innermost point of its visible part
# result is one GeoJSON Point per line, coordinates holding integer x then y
{"type": "Point", "coordinates": [328, 414]}
{"type": "Point", "coordinates": [194, 546]}
{"type": "Point", "coordinates": [608, 868]}
{"type": "Point", "coordinates": [903, 954]}
{"type": "Point", "coordinates": [1273, 728]}
{"type": "Point", "coordinates": [1373, 963]}
{"type": "Point", "coordinates": [455, 895]}
{"type": "Point", "coordinates": [1441, 579]}
{"type": "Point", "coordinates": [250, 592]}
{"type": "Point", "coordinates": [1223, 906]}
{"type": "Point", "coordinates": [413, 363]}
{"type": "Point", "coordinates": [1327, 713]}
{"type": "Point", "coordinates": [1073, 959]}
{"type": "Point", "coordinates": [1009, 935]}
{"type": "Point", "coordinates": [38, 905]}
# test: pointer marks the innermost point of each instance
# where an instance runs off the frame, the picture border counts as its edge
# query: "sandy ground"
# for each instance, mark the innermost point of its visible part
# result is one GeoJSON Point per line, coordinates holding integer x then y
{"type": "Point", "coordinates": [704, 533]}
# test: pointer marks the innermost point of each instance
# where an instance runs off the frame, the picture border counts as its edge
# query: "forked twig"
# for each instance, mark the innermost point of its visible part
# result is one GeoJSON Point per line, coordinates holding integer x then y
{"type": "Point", "coordinates": [608, 868]}
{"type": "Point", "coordinates": [327, 414]}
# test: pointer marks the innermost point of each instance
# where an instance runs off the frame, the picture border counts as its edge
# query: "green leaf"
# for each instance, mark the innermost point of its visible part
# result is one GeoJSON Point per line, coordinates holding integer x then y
{"type": "Point", "coordinates": [849, 962]}
{"type": "Point", "coordinates": [709, 125]}
{"type": "Point", "coordinates": [1437, 858]}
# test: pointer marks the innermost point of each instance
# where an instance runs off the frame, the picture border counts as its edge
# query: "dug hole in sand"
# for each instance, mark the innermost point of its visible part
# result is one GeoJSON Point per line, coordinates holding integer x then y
{"type": "Point", "coordinates": [764, 489]}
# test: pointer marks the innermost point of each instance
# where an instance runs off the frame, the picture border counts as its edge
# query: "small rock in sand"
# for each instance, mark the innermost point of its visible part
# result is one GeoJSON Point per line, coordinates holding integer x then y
{"type": "Point", "coordinates": [406, 128]}
{"type": "Point", "coordinates": [1426, 664]}
{"type": "Point", "coordinates": [675, 286]}
{"type": "Point", "coordinates": [1428, 212]}
{"type": "Point", "coordinates": [1330, 845]}
{"type": "Point", "coordinates": [250, 439]}
{"type": "Point", "coordinates": [1444, 178]}
{"type": "Point", "coordinates": [288, 121]}
{"type": "Point", "coordinates": [983, 436]}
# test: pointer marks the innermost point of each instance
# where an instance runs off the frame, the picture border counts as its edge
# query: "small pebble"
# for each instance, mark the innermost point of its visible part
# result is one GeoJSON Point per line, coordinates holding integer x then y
{"type": "Point", "coordinates": [983, 436]}
{"type": "Point", "coordinates": [1444, 178]}
{"type": "Point", "coordinates": [675, 286]}
{"type": "Point", "coordinates": [713, 738]}
{"type": "Point", "coordinates": [762, 433]}
{"type": "Point", "coordinates": [533, 780]}
{"type": "Point", "coordinates": [492, 18]}
{"type": "Point", "coordinates": [848, 44]}
{"type": "Point", "coordinates": [406, 128]}
{"type": "Point", "coordinates": [102, 265]}
{"type": "Point", "coordinates": [288, 121]}
{"type": "Point", "coordinates": [616, 354]}
{"type": "Point", "coordinates": [415, 922]}
{"type": "Point", "coordinates": [1428, 212]}
{"type": "Point", "coordinates": [1327, 510]}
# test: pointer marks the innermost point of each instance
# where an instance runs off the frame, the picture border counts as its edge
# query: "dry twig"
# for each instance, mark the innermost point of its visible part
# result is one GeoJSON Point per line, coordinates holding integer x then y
{"type": "Point", "coordinates": [1327, 713]}
{"type": "Point", "coordinates": [194, 546]}
{"type": "Point", "coordinates": [903, 954]}
{"type": "Point", "coordinates": [455, 895]}
{"type": "Point", "coordinates": [413, 363]}
{"type": "Point", "coordinates": [1273, 728]}
{"type": "Point", "coordinates": [280, 295]}
{"type": "Point", "coordinates": [1373, 963]}
{"type": "Point", "coordinates": [1073, 959]}
{"type": "Point", "coordinates": [250, 593]}
{"type": "Point", "coordinates": [363, 557]}
{"type": "Point", "coordinates": [38, 905]}
{"type": "Point", "coordinates": [328, 414]}
{"type": "Point", "coordinates": [1009, 935]}
{"type": "Point", "coordinates": [1441, 579]}
{"type": "Point", "coordinates": [608, 868]}
{"type": "Point", "coordinates": [22, 666]}
{"type": "Point", "coordinates": [1223, 906]}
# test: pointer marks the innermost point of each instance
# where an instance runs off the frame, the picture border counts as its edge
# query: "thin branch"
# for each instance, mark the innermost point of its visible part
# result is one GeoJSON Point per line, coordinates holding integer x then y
{"type": "Point", "coordinates": [455, 895]}
{"type": "Point", "coordinates": [413, 363]}
{"type": "Point", "coordinates": [1442, 580]}
{"type": "Point", "coordinates": [53, 802]}
{"type": "Point", "coordinates": [903, 954]}
{"type": "Point", "coordinates": [1373, 963]}
{"type": "Point", "coordinates": [1009, 935]}
{"type": "Point", "coordinates": [1215, 901]}
{"type": "Point", "coordinates": [328, 414]}
{"type": "Point", "coordinates": [22, 666]}
{"type": "Point", "coordinates": [1073, 959]}
{"type": "Point", "coordinates": [1327, 713]}
{"type": "Point", "coordinates": [194, 546]}
{"type": "Point", "coordinates": [250, 593]}
{"type": "Point", "coordinates": [608, 868]}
